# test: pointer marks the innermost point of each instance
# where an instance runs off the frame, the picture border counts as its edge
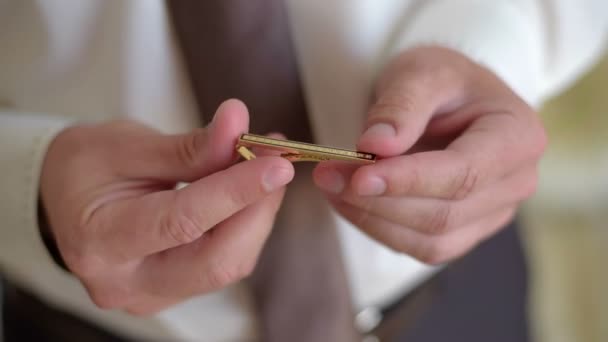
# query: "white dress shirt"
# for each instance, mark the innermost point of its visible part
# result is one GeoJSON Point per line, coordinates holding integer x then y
{"type": "Point", "coordinates": [64, 61]}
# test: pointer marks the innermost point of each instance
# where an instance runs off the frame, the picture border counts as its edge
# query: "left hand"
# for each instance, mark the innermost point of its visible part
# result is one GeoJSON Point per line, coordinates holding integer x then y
{"type": "Point", "coordinates": [459, 151]}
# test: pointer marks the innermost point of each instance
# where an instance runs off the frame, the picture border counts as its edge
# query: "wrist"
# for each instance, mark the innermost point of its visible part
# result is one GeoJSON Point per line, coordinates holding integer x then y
{"type": "Point", "coordinates": [46, 233]}
{"type": "Point", "coordinates": [47, 187]}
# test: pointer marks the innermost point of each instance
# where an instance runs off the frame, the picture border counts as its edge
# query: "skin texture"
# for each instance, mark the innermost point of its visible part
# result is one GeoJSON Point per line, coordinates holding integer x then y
{"type": "Point", "coordinates": [134, 241]}
{"type": "Point", "coordinates": [460, 153]}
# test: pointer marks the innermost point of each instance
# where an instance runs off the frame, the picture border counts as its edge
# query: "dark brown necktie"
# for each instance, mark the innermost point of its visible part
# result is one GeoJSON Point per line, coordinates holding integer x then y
{"type": "Point", "coordinates": [242, 49]}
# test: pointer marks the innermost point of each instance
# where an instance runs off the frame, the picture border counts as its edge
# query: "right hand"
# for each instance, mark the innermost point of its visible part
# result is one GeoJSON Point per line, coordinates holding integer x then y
{"type": "Point", "coordinates": [134, 241]}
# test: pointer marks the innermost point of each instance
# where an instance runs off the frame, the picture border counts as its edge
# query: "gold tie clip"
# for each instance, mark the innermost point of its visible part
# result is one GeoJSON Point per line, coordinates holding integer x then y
{"type": "Point", "coordinates": [295, 151]}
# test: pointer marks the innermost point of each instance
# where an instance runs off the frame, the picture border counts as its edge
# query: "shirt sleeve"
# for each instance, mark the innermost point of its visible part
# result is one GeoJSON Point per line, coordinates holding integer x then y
{"type": "Point", "coordinates": [538, 47]}
{"type": "Point", "coordinates": [24, 258]}
{"type": "Point", "coordinates": [23, 143]}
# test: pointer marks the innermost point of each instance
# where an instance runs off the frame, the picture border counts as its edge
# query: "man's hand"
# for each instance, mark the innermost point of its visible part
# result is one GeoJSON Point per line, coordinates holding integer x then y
{"type": "Point", "coordinates": [460, 152]}
{"type": "Point", "coordinates": [134, 241]}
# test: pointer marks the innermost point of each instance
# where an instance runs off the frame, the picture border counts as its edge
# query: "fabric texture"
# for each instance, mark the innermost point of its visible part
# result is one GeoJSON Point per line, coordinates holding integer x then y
{"type": "Point", "coordinates": [482, 296]}
{"type": "Point", "coordinates": [242, 49]}
{"type": "Point", "coordinates": [461, 302]}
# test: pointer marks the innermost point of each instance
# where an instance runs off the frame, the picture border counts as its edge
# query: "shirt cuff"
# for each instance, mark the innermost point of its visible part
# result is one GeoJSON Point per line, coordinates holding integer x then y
{"type": "Point", "coordinates": [24, 140]}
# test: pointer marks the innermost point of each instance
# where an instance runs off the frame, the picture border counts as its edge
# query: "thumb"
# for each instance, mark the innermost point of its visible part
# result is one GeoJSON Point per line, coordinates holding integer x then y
{"type": "Point", "coordinates": [188, 157]}
{"type": "Point", "coordinates": [407, 98]}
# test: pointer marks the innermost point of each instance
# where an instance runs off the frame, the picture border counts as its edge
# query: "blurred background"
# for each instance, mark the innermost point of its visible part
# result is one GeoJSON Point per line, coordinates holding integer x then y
{"type": "Point", "coordinates": [566, 223]}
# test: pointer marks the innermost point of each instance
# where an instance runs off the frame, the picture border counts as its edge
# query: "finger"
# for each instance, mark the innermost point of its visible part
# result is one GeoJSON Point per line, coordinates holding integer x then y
{"type": "Point", "coordinates": [497, 143]}
{"type": "Point", "coordinates": [434, 174]}
{"type": "Point", "coordinates": [406, 101]}
{"type": "Point", "coordinates": [260, 151]}
{"type": "Point", "coordinates": [437, 216]}
{"type": "Point", "coordinates": [158, 221]}
{"type": "Point", "coordinates": [219, 259]}
{"type": "Point", "coordinates": [430, 249]}
{"type": "Point", "coordinates": [188, 157]}
{"type": "Point", "coordinates": [494, 145]}
{"type": "Point", "coordinates": [332, 176]}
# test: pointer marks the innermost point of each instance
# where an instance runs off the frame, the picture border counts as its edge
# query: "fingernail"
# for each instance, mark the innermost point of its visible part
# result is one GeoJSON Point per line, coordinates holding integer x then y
{"type": "Point", "coordinates": [372, 186]}
{"type": "Point", "coordinates": [380, 130]}
{"type": "Point", "coordinates": [276, 177]}
{"type": "Point", "coordinates": [331, 181]}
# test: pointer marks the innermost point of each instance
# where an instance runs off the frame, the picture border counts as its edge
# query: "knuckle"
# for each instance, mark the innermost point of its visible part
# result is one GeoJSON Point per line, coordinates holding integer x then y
{"type": "Point", "coordinates": [188, 149]}
{"type": "Point", "coordinates": [247, 268]}
{"type": "Point", "coordinates": [541, 140]}
{"type": "Point", "coordinates": [465, 183]}
{"type": "Point", "coordinates": [538, 139]}
{"type": "Point", "coordinates": [435, 252]}
{"type": "Point", "coordinates": [181, 228]}
{"type": "Point", "coordinates": [360, 217]}
{"type": "Point", "coordinates": [400, 243]}
{"type": "Point", "coordinates": [529, 187]}
{"type": "Point", "coordinates": [394, 103]}
{"type": "Point", "coordinates": [507, 217]}
{"type": "Point", "coordinates": [240, 196]}
{"type": "Point", "coordinates": [438, 221]}
{"type": "Point", "coordinates": [222, 275]}
{"type": "Point", "coordinates": [443, 73]}
{"type": "Point", "coordinates": [411, 184]}
{"type": "Point", "coordinates": [108, 299]}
